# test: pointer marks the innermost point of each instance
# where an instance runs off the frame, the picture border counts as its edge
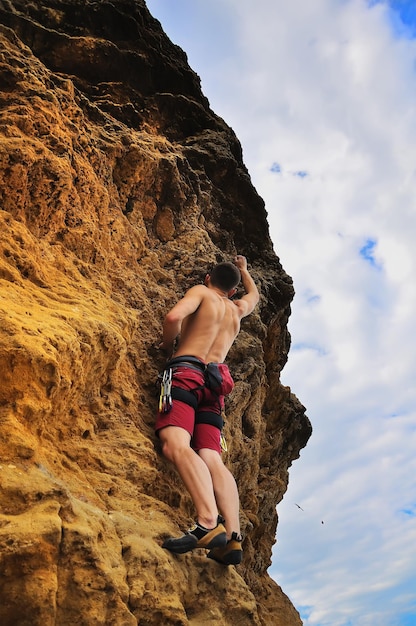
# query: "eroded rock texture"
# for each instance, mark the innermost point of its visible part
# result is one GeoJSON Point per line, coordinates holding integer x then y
{"type": "Point", "coordinates": [118, 188]}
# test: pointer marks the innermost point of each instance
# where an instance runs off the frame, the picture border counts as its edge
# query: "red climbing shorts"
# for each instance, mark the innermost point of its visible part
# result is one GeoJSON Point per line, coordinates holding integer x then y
{"type": "Point", "coordinates": [209, 405]}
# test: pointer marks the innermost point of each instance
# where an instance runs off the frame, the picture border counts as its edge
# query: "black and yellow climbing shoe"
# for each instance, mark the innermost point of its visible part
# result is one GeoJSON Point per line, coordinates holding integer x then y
{"type": "Point", "coordinates": [197, 537]}
{"type": "Point", "coordinates": [230, 554]}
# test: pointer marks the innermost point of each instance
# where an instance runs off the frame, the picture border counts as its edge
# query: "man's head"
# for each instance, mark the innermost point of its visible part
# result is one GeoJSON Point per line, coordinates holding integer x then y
{"type": "Point", "coordinates": [225, 276]}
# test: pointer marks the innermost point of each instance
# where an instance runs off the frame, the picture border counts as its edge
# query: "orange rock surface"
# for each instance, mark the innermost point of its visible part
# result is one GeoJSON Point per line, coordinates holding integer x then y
{"type": "Point", "coordinates": [119, 187]}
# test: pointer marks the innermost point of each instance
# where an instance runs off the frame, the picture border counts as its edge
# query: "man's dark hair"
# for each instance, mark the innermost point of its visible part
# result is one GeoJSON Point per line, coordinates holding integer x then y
{"type": "Point", "coordinates": [225, 276]}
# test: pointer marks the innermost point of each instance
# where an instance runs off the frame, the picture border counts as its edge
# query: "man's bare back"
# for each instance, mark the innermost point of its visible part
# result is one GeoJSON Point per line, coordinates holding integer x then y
{"type": "Point", "coordinates": [209, 332]}
{"type": "Point", "coordinates": [206, 320]}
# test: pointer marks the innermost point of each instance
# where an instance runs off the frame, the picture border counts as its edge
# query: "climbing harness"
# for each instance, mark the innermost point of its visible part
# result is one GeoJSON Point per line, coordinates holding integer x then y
{"type": "Point", "coordinates": [216, 378]}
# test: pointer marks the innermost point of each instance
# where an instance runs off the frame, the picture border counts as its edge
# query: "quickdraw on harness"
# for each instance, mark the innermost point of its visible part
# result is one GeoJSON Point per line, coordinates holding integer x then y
{"type": "Point", "coordinates": [165, 399]}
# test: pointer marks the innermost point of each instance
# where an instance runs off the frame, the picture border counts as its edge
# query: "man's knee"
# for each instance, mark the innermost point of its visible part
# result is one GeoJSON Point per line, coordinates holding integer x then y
{"type": "Point", "coordinates": [166, 450]}
{"type": "Point", "coordinates": [170, 450]}
{"type": "Point", "coordinates": [173, 446]}
{"type": "Point", "coordinates": [211, 457]}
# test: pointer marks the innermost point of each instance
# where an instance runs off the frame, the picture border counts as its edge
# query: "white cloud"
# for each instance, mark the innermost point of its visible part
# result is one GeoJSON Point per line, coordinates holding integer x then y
{"type": "Point", "coordinates": [324, 87]}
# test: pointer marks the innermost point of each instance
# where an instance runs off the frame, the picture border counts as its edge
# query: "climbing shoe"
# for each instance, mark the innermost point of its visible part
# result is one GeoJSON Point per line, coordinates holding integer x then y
{"type": "Point", "coordinates": [230, 554]}
{"type": "Point", "coordinates": [197, 537]}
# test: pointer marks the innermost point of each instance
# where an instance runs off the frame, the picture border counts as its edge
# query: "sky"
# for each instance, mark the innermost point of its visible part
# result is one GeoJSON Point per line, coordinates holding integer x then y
{"type": "Point", "coordinates": [322, 96]}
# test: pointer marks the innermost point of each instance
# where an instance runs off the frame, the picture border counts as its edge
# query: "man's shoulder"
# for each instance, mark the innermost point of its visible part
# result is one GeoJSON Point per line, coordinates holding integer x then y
{"type": "Point", "coordinates": [197, 289]}
{"type": "Point", "coordinates": [243, 307]}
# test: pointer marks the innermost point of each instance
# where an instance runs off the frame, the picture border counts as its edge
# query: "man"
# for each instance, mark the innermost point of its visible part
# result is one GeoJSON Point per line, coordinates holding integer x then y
{"type": "Point", "coordinates": [189, 421]}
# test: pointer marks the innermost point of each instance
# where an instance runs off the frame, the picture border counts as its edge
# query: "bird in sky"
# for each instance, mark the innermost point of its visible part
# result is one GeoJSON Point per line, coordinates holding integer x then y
{"type": "Point", "coordinates": [299, 507]}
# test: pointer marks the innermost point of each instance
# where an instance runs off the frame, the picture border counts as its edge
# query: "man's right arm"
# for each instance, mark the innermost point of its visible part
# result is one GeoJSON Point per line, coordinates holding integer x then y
{"type": "Point", "coordinates": [247, 303]}
{"type": "Point", "coordinates": [174, 318]}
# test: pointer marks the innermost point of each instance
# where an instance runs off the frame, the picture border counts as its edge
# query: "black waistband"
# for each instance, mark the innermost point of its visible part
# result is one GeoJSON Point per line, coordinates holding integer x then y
{"type": "Point", "coordinates": [187, 361]}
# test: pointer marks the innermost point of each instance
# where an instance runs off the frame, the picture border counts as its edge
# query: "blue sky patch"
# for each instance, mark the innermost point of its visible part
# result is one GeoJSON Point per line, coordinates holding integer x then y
{"type": "Point", "coordinates": [408, 620]}
{"type": "Point", "coordinates": [402, 15]}
{"type": "Point", "coordinates": [311, 297]}
{"type": "Point", "coordinates": [300, 174]}
{"type": "Point", "coordinates": [275, 168]}
{"type": "Point", "coordinates": [367, 253]}
{"type": "Point", "coordinates": [305, 611]}
{"type": "Point", "coordinates": [310, 346]}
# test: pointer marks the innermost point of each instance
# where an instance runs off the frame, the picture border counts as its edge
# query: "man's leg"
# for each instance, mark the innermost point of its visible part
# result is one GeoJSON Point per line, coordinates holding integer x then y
{"type": "Point", "coordinates": [193, 471]}
{"type": "Point", "coordinates": [225, 489]}
{"type": "Point", "coordinates": [226, 494]}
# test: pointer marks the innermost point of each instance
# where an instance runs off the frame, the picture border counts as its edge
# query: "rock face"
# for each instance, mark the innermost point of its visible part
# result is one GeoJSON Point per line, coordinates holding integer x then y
{"type": "Point", "coordinates": [119, 187]}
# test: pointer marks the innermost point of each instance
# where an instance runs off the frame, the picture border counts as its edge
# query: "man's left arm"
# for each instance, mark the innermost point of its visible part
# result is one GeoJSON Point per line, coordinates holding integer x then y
{"type": "Point", "coordinates": [247, 303]}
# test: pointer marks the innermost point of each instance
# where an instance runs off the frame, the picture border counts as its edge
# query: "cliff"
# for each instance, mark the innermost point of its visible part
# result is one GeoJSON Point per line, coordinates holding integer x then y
{"type": "Point", "coordinates": [119, 187]}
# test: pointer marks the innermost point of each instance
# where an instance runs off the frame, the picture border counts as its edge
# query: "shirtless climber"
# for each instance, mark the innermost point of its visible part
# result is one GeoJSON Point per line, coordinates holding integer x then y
{"type": "Point", "coordinates": [189, 421]}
